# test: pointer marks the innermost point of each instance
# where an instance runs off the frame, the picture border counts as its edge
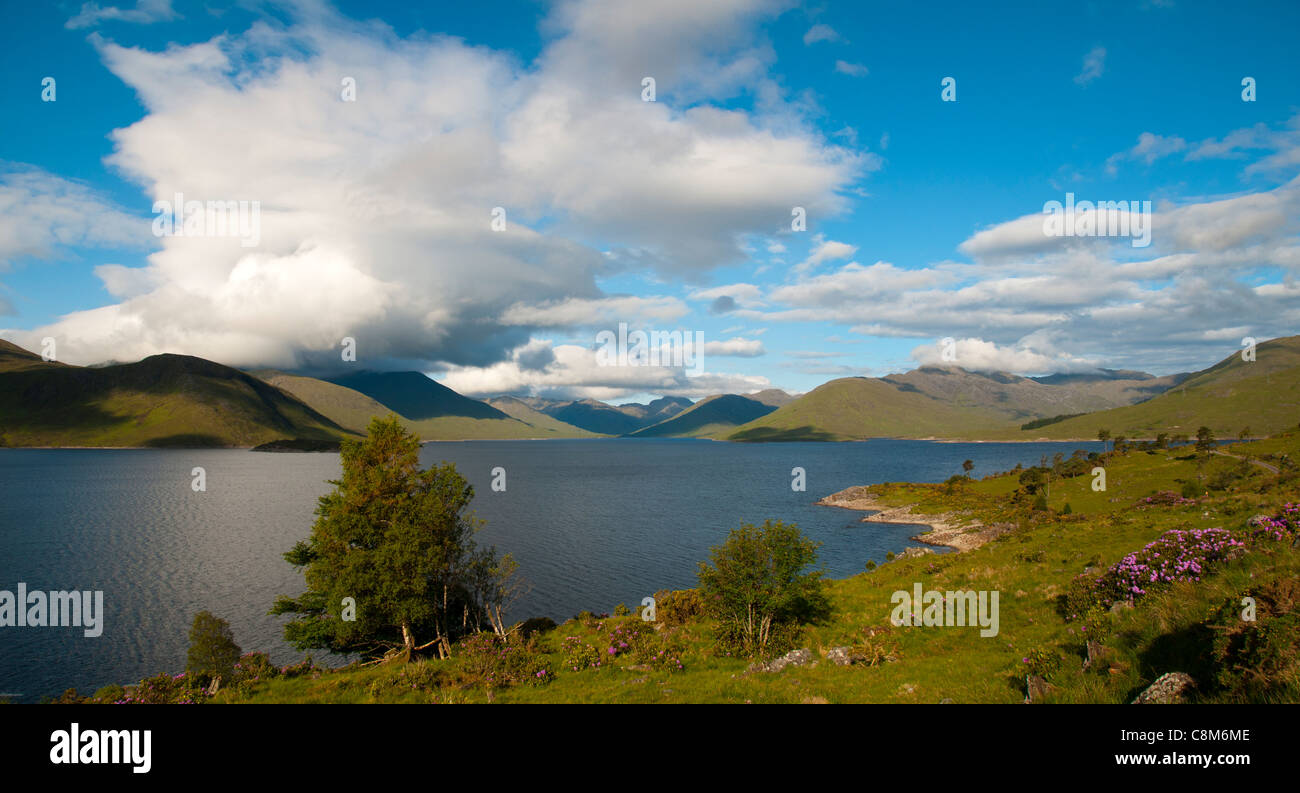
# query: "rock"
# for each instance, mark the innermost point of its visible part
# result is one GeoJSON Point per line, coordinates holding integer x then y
{"type": "Point", "coordinates": [1097, 652]}
{"type": "Point", "coordinates": [1119, 605]}
{"type": "Point", "coordinates": [843, 656]}
{"type": "Point", "coordinates": [946, 701]}
{"type": "Point", "coordinates": [792, 658]}
{"type": "Point", "coordinates": [912, 553]}
{"type": "Point", "coordinates": [1036, 688]}
{"type": "Point", "coordinates": [1168, 689]}
{"type": "Point", "coordinates": [214, 686]}
{"type": "Point", "coordinates": [1257, 520]}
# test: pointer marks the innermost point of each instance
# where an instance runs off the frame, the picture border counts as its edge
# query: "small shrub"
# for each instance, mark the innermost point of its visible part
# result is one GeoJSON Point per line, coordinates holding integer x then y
{"type": "Point", "coordinates": [165, 689]}
{"type": "Point", "coordinates": [1042, 662]}
{"type": "Point", "coordinates": [579, 655]}
{"type": "Point", "coordinates": [678, 607]}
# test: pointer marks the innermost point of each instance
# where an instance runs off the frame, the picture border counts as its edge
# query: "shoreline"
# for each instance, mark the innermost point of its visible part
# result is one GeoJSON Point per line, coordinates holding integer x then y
{"type": "Point", "coordinates": [944, 530]}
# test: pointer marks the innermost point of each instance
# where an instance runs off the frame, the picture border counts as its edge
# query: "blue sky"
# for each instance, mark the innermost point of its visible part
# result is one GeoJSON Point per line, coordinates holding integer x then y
{"type": "Point", "coordinates": [672, 215]}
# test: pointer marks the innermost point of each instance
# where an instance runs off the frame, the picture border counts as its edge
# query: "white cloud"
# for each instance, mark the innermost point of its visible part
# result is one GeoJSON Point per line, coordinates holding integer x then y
{"type": "Point", "coordinates": [735, 348]}
{"type": "Point", "coordinates": [1149, 148]}
{"type": "Point", "coordinates": [821, 32]}
{"type": "Point", "coordinates": [985, 356]}
{"type": "Point", "coordinates": [1094, 63]}
{"type": "Point", "coordinates": [144, 13]}
{"type": "Point", "coordinates": [823, 251]}
{"type": "Point", "coordinates": [851, 69]}
{"type": "Point", "coordinates": [380, 208]}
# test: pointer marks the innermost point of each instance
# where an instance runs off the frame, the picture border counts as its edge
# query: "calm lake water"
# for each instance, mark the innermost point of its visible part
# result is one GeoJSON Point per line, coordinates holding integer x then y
{"type": "Point", "coordinates": [593, 523]}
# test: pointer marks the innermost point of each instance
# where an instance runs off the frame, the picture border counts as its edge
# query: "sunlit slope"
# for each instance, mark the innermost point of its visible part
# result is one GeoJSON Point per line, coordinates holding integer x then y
{"type": "Point", "coordinates": [855, 408]}
{"type": "Point", "coordinates": [1262, 395]}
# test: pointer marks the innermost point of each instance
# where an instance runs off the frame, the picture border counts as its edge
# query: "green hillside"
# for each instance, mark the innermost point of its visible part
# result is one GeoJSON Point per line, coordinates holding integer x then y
{"type": "Point", "coordinates": [715, 416]}
{"type": "Point", "coordinates": [164, 400]}
{"type": "Point", "coordinates": [1230, 396]}
{"type": "Point", "coordinates": [345, 407]}
{"type": "Point", "coordinates": [856, 408]}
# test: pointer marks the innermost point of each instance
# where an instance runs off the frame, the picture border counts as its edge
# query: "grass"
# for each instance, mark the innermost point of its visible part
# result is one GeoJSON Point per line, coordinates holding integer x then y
{"type": "Point", "coordinates": [1031, 564]}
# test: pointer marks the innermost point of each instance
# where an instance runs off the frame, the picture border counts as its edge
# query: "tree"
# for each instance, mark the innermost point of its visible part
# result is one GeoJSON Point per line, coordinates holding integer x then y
{"type": "Point", "coordinates": [1244, 434]}
{"type": "Point", "coordinates": [756, 586]}
{"type": "Point", "coordinates": [213, 651]}
{"type": "Point", "coordinates": [1103, 435]}
{"type": "Point", "coordinates": [967, 467]}
{"type": "Point", "coordinates": [1204, 439]}
{"type": "Point", "coordinates": [393, 550]}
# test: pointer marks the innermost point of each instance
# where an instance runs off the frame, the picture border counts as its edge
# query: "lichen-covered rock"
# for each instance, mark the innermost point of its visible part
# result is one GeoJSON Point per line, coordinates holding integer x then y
{"type": "Point", "coordinates": [842, 656]}
{"type": "Point", "coordinates": [1168, 689]}
{"type": "Point", "coordinates": [792, 658]}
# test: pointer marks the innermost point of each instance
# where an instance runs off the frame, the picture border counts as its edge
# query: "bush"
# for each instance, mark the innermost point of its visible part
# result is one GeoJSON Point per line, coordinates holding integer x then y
{"type": "Point", "coordinates": [1166, 498]}
{"type": "Point", "coordinates": [1260, 660]}
{"type": "Point", "coordinates": [1177, 555]}
{"type": "Point", "coordinates": [678, 607]}
{"type": "Point", "coordinates": [494, 661]}
{"type": "Point", "coordinates": [109, 694]}
{"type": "Point", "coordinates": [254, 667]}
{"type": "Point", "coordinates": [1284, 526]}
{"type": "Point", "coordinates": [165, 689]}
{"type": "Point", "coordinates": [1042, 662]}
{"type": "Point", "coordinates": [756, 587]}
{"type": "Point", "coordinates": [579, 655]}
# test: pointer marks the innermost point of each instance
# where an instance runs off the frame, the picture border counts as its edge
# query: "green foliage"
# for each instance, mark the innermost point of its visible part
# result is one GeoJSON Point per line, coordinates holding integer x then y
{"type": "Point", "coordinates": [165, 689]}
{"type": "Point", "coordinates": [398, 540]}
{"type": "Point", "coordinates": [756, 586]}
{"type": "Point", "coordinates": [110, 694]}
{"type": "Point", "coordinates": [494, 661]}
{"type": "Point", "coordinates": [1204, 439]}
{"type": "Point", "coordinates": [621, 610]}
{"type": "Point", "coordinates": [579, 655]}
{"type": "Point", "coordinates": [678, 607]}
{"type": "Point", "coordinates": [213, 651]}
{"type": "Point", "coordinates": [1043, 662]}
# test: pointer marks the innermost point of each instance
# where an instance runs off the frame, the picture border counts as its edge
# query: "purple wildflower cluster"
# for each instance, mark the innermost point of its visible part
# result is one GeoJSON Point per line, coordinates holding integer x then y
{"type": "Point", "coordinates": [1283, 526]}
{"type": "Point", "coordinates": [1177, 555]}
{"type": "Point", "coordinates": [1165, 498]}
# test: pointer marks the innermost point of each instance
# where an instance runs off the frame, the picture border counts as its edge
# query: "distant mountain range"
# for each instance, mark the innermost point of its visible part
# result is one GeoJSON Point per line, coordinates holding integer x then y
{"type": "Point", "coordinates": [179, 400]}
{"type": "Point", "coordinates": [952, 403]}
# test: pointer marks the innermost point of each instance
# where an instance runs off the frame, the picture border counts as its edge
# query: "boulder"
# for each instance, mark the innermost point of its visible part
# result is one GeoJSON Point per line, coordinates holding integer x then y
{"type": "Point", "coordinates": [843, 656]}
{"type": "Point", "coordinates": [1035, 688]}
{"type": "Point", "coordinates": [792, 658]}
{"type": "Point", "coordinates": [1168, 689]}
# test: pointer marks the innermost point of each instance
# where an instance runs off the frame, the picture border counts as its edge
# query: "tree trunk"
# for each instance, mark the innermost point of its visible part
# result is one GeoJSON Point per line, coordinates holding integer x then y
{"type": "Point", "coordinates": [408, 640]}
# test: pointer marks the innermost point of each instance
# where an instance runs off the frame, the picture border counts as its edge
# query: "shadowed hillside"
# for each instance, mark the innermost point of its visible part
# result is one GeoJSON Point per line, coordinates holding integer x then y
{"type": "Point", "coordinates": [164, 400]}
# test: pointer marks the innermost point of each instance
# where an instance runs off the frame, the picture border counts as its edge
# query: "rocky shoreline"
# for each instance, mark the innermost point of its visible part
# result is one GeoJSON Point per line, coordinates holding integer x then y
{"type": "Point", "coordinates": [948, 529]}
